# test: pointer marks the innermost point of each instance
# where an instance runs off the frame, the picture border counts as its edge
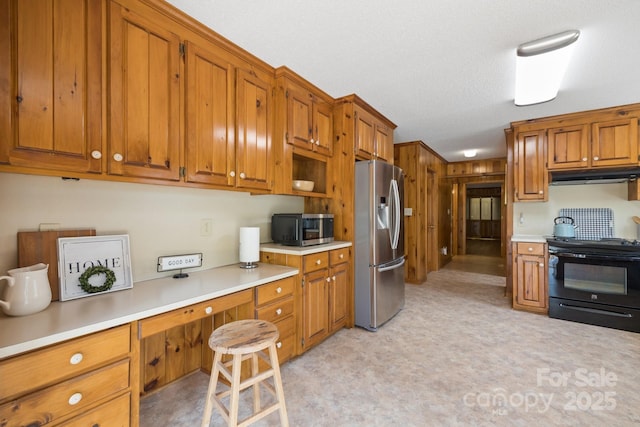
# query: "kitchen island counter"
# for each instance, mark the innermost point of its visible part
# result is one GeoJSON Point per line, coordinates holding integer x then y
{"type": "Point", "coordinates": [64, 320]}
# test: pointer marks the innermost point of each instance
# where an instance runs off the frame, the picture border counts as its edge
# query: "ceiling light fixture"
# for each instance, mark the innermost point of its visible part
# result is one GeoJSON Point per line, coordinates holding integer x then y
{"type": "Point", "coordinates": [470, 153]}
{"type": "Point", "coordinates": [540, 66]}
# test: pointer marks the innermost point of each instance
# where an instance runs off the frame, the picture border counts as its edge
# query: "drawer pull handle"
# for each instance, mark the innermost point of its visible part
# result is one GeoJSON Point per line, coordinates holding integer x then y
{"type": "Point", "coordinates": [318, 262]}
{"type": "Point", "coordinates": [530, 249]}
{"type": "Point", "coordinates": [279, 344]}
{"type": "Point", "coordinates": [278, 290]}
{"type": "Point", "coordinates": [208, 310]}
{"type": "Point", "coordinates": [279, 311]}
{"type": "Point", "coordinates": [76, 358]}
{"type": "Point", "coordinates": [341, 256]}
{"type": "Point", "coordinates": [75, 398]}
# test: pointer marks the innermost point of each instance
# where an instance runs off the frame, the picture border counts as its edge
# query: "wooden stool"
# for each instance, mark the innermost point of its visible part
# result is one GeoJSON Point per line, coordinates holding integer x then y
{"type": "Point", "coordinates": [244, 339]}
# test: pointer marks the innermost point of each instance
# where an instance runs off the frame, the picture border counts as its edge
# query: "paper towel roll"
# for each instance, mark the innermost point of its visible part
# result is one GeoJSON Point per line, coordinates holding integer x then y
{"type": "Point", "coordinates": [249, 246]}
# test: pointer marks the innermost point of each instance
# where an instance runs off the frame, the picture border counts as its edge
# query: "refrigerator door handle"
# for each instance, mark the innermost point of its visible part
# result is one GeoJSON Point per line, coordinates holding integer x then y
{"type": "Point", "coordinates": [395, 193]}
{"type": "Point", "coordinates": [388, 267]}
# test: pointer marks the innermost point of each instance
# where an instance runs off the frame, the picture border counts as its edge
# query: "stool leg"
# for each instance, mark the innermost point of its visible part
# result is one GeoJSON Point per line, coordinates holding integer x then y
{"type": "Point", "coordinates": [211, 392]}
{"type": "Point", "coordinates": [277, 382]}
{"type": "Point", "coordinates": [256, 386]}
{"type": "Point", "coordinates": [234, 402]}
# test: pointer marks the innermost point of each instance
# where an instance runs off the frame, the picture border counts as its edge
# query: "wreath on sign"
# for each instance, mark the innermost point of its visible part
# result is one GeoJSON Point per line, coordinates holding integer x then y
{"type": "Point", "coordinates": [110, 278]}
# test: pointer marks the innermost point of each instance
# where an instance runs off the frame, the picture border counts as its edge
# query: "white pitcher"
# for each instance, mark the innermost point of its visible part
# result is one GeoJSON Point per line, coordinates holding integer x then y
{"type": "Point", "coordinates": [27, 290]}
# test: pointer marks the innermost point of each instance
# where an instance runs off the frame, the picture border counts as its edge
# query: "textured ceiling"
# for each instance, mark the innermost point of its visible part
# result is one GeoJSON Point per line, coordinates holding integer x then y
{"type": "Point", "coordinates": [443, 71]}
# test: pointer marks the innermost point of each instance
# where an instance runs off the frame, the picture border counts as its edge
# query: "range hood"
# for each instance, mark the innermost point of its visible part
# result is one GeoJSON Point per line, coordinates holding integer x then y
{"type": "Point", "coordinates": [594, 176]}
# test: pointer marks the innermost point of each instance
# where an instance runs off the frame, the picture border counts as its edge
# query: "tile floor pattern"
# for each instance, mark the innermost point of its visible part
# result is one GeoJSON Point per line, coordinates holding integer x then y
{"type": "Point", "coordinates": [457, 355]}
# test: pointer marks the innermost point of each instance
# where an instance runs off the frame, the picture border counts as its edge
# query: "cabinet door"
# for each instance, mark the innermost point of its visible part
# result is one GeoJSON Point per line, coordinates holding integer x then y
{"type": "Point", "coordinates": [145, 97]}
{"type": "Point", "coordinates": [530, 275]}
{"type": "Point", "coordinates": [299, 118]}
{"type": "Point", "coordinates": [315, 297]}
{"type": "Point", "coordinates": [364, 134]}
{"type": "Point", "coordinates": [253, 145]}
{"type": "Point", "coordinates": [615, 143]}
{"type": "Point", "coordinates": [210, 146]}
{"type": "Point", "coordinates": [52, 115]}
{"type": "Point", "coordinates": [384, 143]}
{"type": "Point", "coordinates": [568, 147]}
{"type": "Point", "coordinates": [338, 296]}
{"type": "Point", "coordinates": [322, 128]}
{"type": "Point", "coordinates": [530, 171]}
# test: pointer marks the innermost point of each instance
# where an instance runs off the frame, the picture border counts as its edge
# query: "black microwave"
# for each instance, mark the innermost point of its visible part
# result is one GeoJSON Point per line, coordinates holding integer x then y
{"type": "Point", "coordinates": [302, 229]}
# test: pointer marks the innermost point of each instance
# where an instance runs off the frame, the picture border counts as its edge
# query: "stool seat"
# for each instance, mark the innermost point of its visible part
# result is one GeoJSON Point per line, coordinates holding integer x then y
{"type": "Point", "coordinates": [245, 340]}
{"type": "Point", "coordinates": [243, 337]}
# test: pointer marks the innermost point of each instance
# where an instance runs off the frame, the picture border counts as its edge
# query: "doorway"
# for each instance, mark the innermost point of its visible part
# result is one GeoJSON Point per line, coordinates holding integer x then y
{"type": "Point", "coordinates": [483, 219]}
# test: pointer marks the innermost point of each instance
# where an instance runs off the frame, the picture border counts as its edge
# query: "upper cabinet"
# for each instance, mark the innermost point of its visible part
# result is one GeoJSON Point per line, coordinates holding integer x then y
{"type": "Point", "coordinates": [144, 82]}
{"type": "Point", "coordinates": [591, 145]}
{"type": "Point", "coordinates": [598, 139]}
{"type": "Point", "coordinates": [51, 100]}
{"type": "Point", "coordinates": [303, 142]}
{"type": "Point", "coordinates": [372, 132]}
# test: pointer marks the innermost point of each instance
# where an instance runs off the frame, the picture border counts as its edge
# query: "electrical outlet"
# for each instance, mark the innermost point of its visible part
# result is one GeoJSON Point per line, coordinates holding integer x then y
{"type": "Point", "coordinates": [206, 225]}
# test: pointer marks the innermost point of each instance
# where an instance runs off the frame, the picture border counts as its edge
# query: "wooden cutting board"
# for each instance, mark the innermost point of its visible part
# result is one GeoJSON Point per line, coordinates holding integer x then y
{"type": "Point", "coordinates": [42, 246]}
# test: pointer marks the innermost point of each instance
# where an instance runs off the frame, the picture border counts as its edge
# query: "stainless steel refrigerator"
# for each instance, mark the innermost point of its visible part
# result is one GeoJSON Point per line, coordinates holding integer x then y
{"type": "Point", "coordinates": [379, 243]}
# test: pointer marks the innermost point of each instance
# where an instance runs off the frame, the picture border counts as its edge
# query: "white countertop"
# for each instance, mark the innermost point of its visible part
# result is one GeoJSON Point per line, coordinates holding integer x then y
{"type": "Point", "coordinates": [70, 319]}
{"type": "Point", "coordinates": [303, 250]}
{"type": "Point", "coordinates": [528, 238]}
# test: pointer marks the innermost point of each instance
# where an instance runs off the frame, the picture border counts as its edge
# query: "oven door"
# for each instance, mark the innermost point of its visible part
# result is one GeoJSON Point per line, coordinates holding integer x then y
{"type": "Point", "coordinates": [606, 279]}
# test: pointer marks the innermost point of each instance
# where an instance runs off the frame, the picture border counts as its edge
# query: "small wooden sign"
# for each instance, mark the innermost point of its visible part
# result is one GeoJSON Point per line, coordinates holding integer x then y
{"type": "Point", "coordinates": [77, 254]}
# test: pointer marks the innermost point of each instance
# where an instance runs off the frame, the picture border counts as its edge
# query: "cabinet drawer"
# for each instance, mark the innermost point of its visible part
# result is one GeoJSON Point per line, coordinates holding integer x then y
{"type": "Point", "coordinates": [62, 399]}
{"type": "Point", "coordinates": [313, 262]}
{"type": "Point", "coordinates": [338, 256]}
{"type": "Point", "coordinates": [276, 311]}
{"type": "Point", "coordinates": [285, 348]}
{"type": "Point", "coordinates": [530, 248]}
{"type": "Point", "coordinates": [43, 367]}
{"type": "Point", "coordinates": [116, 412]}
{"type": "Point", "coordinates": [182, 316]}
{"type": "Point", "coordinates": [286, 327]}
{"type": "Point", "coordinates": [272, 291]}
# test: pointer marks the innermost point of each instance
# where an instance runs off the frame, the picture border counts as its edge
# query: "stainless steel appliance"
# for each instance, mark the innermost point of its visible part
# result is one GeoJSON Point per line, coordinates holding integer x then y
{"type": "Point", "coordinates": [595, 282]}
{"type": "Point", "coordinates": [379, 243]}
{"type": "Point", "coordinates": [297, 229]}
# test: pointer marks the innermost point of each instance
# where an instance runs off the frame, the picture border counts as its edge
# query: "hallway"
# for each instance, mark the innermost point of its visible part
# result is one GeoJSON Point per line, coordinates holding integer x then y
{"type": "Point", "coordinates": [482, 264]}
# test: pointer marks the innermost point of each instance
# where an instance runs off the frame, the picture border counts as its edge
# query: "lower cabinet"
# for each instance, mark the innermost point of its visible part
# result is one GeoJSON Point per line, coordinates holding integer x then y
{"type": "Point", "coordinates": [321, 294]}
{"type": "Point", "coordinates": [84, 381]}
{"type": "Point", "coordinates": [530, 284]}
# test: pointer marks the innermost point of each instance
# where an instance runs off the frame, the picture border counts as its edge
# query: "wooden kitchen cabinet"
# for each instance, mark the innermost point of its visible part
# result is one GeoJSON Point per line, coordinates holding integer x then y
{"type": "Point", "coordinates": [144, 81]}
{"type": "Point", "coordinates": [530, 171]}
{"type": "Point", "coordinates": [530, 271]}
{"type": "Point", "coordinates": [275, 302]}
{"type": "Point", "coordinates": [303, 142]}
{"type": "Point", "coordinates": [339, 301]}
{"type": "Point", "coordinates": [51, 96]}
{"type": "Point", "coordinates": [612, 143]}
{"type": "Point", "coordinates": [68, 383]}
{"type": "Point", "coordinates": [373, 137]}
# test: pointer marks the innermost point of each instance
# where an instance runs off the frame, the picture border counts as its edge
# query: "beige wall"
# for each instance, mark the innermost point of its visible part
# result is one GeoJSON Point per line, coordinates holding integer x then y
{"type": "Point", "coordinates": [538, 217]}
{"type": "Point", "coordinates": [160, 220]}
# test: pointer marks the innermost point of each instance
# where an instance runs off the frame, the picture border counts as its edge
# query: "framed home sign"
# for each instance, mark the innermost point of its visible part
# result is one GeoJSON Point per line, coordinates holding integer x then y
{"type": "Point", "coordinates": [93, 265]}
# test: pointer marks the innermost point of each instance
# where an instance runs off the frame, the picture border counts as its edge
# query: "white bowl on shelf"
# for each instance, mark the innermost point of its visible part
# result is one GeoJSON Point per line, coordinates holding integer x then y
{"type": "Point", "coordinates": [302, 185]}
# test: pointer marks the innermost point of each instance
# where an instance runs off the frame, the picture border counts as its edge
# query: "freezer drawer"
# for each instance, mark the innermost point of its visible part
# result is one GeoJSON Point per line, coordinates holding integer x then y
{"type": "Point", "coordinates": [380, 296]}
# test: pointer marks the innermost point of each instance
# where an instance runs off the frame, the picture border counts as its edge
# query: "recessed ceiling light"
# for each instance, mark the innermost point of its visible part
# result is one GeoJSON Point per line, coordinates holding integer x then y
{"type": "Point", "coordinates": [470, 153]}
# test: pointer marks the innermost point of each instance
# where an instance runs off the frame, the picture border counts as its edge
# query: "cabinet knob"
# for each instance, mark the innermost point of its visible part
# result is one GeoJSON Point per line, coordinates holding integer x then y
{"type": "Point", "coordinates": [540, 192]}
{"type": "Point", "coordinates": [317, 142]}
{"type": "Point", "coordinates": [333, 278]}
{"type": "Point", "coordinates": [318, 262]}
{"type": "Point", "coordinates": [584, 159]}
{"type": "Point", "coordinates": [313, 141]}
{"type": "Point", "coordinates": [541, 264]}
{"type": "Point", "coordinates": [208, 310]}
{"type": "Point", "coordinates": [96, 154]}
{"type": "Point", "coordinates": [118, 157]}
{"type": "Point", "coordinates": [75, 398]}
{"type": "Point", "coordinates": [76, 358]}
{"type": "Point", "coordinates": [530, 249]}
{"type": "Point", "coordinates": [279, 312]}
{"type": "Point", "coordinates": [242, 175]}
{"type": "Point", "coordinates": [279, 344]}
{"type": "Point", "coordinates": [596, 158]}
{"type": "Point", "coordinates": [341, 256]}
{"type": "Point", "coordinates": [328, 279]}
{"type": "Point", "coordinates": [232, 174]}
{"type": "Point", "coordinates": [278, 290]}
